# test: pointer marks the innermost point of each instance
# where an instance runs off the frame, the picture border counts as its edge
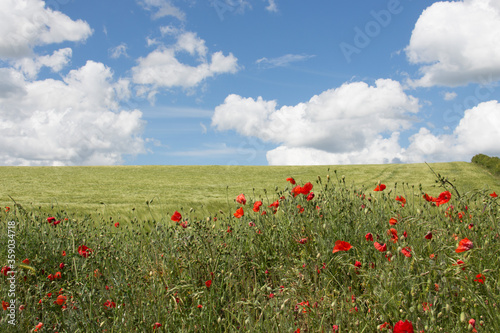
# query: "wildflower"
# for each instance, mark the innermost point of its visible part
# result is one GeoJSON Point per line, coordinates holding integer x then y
{"type": "Point", "coordinates": [38, 327]}
{"type": "Point", "coordinates": [310, 196]}
{"type": "Point", "coordinates": [275, 204]}
{"type": "Point", "coordinates": [472, 324]}
{"type": "Point", "coordinates": [394, 234]}
{"type": "Point", "coordinates": [291, 180]}
{"type": "Point", "coordinates": [341, 246]}
{"type": "Point", "coordinates": [256, 206]}
{"type": "Point", "coordinates": [428, 235]}
{"type": "Point", "coordinates": [241, 199]}
{"type": "Point", "coordinates": [251, 224]}
{"type": "Point", "coordinates": [369, 237]}
{"type": "Point", "coordinates": [302, 240]}
{"type": "Point", "coordinates": [461, 264]}
{"type": "Point", "coordinates": [464, 245]}
{"type": "Point", "coordinates": [109, 304]}
{"type": "Point", "coordinates": [296, 190]}
{"type": "Point", "coordinates": [5, 305]}
{"type": "Point", "coordinates": [357, 264]}
{"type": "Point", "coordinates": [380, 247]}
{"type": "Point", "coordinates": [56, 222]}
{"type": "Point", "coordinates": [208, 283]}
{"type": "Point", "coordinates": [393, 221]}
{"type": "Point", "coordinates": [60, 300]}
{"type": "Point", "coordinates": [64, 253]}
{"type": "Point", "coordinates": [176, 217]}
{"type": "Point", "coordinates": [406, 251]}
{"type": "Point", "coordinates": [26, 261]}
{"type": "Point", "coordinates": [306, 188]}
{"type": "Point", "coordinates": [156, 325]}
{"type": "Point", "coordinates": [301, 209]}
{"type": "Point", "coordinates": [443, 198]}
{"type": "Point", "coordinates": [428, 198]}
{"type": "Point", "coordinates": [493, 195]}
{"type": "Point", "coordinates": [7, 208]}
{"type": "Point", "coordinates": [51, 277]}
{"type": "Point", "coordinates": [184, 224]}
{"type": "Point", "coordinates": [22, 307]}
{"type": "Point", "coordinates": [57, 275]}
{"type": "Point", "coordinates": [480, 278]}
{"type": "Point", "coordinates": [403, 327]}
{"type": "Point", "coordinates": [271, 295]}
{"type": "Point", "coordinates": [385, 325]}
{"type": "Point", "coordinates": [117, 224]}
{"type": "Point", "coordinates": [84, 251]}
{"type": "Point", "coordinates": [335, 328]}
{"type": "Point", "coordinates": [426, 306]}
{"type": "Point", "coordinates": [239, 213]}
{"type": "Point", "coordinates": [51, 219]}
{"type": "Point", "coordinates": [380, 187]}
{"type": "Point", "coordinates": [402, 200]}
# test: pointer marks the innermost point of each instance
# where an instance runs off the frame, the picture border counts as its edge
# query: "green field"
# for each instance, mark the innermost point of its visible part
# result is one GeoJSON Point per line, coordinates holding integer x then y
{"type": "Point", "coordinates": [124, 190]}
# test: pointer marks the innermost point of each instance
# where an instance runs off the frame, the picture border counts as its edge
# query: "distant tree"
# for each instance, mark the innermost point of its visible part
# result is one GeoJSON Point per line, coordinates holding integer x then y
{"type": "Point", "coordinates": [492, 164]}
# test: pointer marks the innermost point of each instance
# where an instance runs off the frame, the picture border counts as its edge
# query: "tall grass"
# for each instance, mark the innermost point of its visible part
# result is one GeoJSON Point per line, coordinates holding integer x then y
{"type": "Point", "coordinates": [274, 272]}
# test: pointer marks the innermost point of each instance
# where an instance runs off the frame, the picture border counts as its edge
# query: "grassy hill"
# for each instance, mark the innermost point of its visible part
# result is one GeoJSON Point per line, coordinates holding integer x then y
{"type": "Point", "coordinates": [127, 191]}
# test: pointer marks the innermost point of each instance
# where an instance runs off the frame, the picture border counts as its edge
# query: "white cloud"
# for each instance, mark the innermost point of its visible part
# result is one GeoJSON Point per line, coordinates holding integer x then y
{"type": "Point", "coordinates": [30, 66]}
{"type": "Point", "coordinates": [163, 8]}
{"type": "Point", "coordinates": [450, 95]}
{"type": "Point", "coordinates": [457, 43]}
{"type": "Point", "coordinates": [272, 7]}
{"type": "Point", "coordinates": [118, 51]}
{"type": "Point", "coordinates": [25, 24]}
{"type": "Point", "coordinates": [345, 124]}
{"type": "Point", "coordinates": [477, 132]}
{"type": "Point", "coordinates": [161, 68]}
{"type": "Point", "coordinates": [74, 121]}
{"type": "Point", "coordinates": [282, 61]}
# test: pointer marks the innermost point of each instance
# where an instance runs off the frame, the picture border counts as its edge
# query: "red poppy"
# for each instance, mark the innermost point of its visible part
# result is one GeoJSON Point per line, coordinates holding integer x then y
{"type": "Point", "coordinates": [403, 327]}
{"type": "Point", "coordinates": [380, 247]}
{"type": "Point", "coordinates": [310, 196]}
{"type": "Point", "coordinates": [38, 327]}
{"type": "Point", "coordinates": [117, 224]}
{"type": "Point", "coordinates": [275, 204]}
{"type": "Point", "coordinates": [51, 219]}
{"type": "Point", "coordinates": [406, 251]}
{"type": "Point", "coordinates": [296, 190]}
{"type": "Point", "coordinates": [402, 200]}
{"type": "Point", "coordinates": [357, 264]}
{"type": "Point", "coordinates": [60, 300]}
{"type": "Point", "coordinates": [291, 180]}
{"type": "Point", "coordinates": [443, 198]}
{"type": "Point", "coordinates": [51, 277]}
{"type": "Point", "coordinates": [460, 263]}
{"type": "Point", "coordinates": [380, 187]}
{"type": "Point", "coordinates": [394, 234]}
{"type": "Point", "coordinates": [176, 217]}
{"type": "Point", "coordinates": [241, 199]}
{"type": "Point", "coordinates": [200, 306]}
{"type": "Point", "coordinates": [306, 188]}
{"type": "Point", "coordinates": [393, 221]}
{"type": "Point", "coordinates": [56, 222]}
{"type": "Point", "coordinates": [256, 206]}
{"type": "Point", "coordinates": [480, 278]}
{"type": "Point", "coordinates": [5, 305]}
{"type": "Point", "coordinates": [7, 208]}
{"type": "Point", "coordinates": [58, 275]}
{"type": "Point", "coordinates": [341, 246]}
{"type": "Point", "coordinates": [61, 265]}
{"type": "Point", "coordinates": [302, 240]}
{"type": "Point", "coordinates": [428, 198]}
{"type": "Point", "coordinates": [64, 253]}
{"type": "Point", "coordinates": [239, 213]}
{"type": "Point", "coordinates": [301, 209]}
{"type": "Point", "coordinates": [84, 251]}
{"type": "Point", "coordinates": [428, 236]}
{"type": "Point", "coordinates": [156, 325]}
{"type": "Point", "coordinates": [208, 283]}
{"type": "Point", "coordinates": [464, 245]}
{"type": "Point", "coordinates": [184, 224]}
{"type": "Point", "coordinates": [369, 237]}
{"type": "Point", "coordinates": [493, 195]}
{"type": "Point", "coordinates": [26, 261]}
{"type": "Point", "coordinates": [109, 304]}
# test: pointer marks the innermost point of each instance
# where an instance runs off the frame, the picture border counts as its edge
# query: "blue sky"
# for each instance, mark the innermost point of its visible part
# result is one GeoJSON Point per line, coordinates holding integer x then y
{"type": "Point", "coordinates": [248, 82]}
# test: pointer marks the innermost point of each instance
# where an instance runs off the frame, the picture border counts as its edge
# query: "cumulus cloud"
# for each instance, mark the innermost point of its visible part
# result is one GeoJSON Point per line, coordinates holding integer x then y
{"type": "Point", "coordinates": [477, 132]}
{"type": "Point", "coordinates": [118, 51]}
{"type": "Point", "coordinates": [272, 7]}
{"type": "Point", "coordinates": [30, 66]}
{"type": "Point", "coordinates": [25, 24]}
{"type": "Point", "coordinates": [339, 125]}
{"type": "Point", "coordinates": [162, 8]}
{"type": "Point", "coordinates": [282, 61]}
{"type": "Point", "coordinates": [162, 69]}
{"type": "Point", "coordinates": [456, 43]}
{"type": "Point", "coordinates": [73, 121]}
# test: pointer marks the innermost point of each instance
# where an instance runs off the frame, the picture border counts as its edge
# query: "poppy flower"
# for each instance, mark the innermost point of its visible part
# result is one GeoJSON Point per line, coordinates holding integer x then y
{"type": "Point", "coordinates": [306, 188]}
{"type": "Point", "coordinates": [64, 253]}
{"type": "Point", "coordinates": [369, 237]}
{"type": "Point", "coordinates": [5, 305]}
{"type": "Point", "coordinates": [380, 247]}
{"type": "Point", "coordinates": [7, 208]}
{"type": "Point", "coordinates": [51, 219]}
{"type": "Point", "coordinates": [184, 224]}
{"type": "Point", "coordinates": [38, 327]}
{"type": "Point", "coordinates": [393, 221]}
{"type": "Point", "coordinates": [239, 213]}
{"type": "Point", "coordinates": [464, 245]}
{"type": "Point", "coordinates": [394, 234]}
{"type": "Point", "coordinates": [109, 304]}
{"type": "Point", "coordinates": [241, 199]}
{"type": "Point", "coordinates": [461, 264]}
{"type": "Point", "coordinates": [208, 283]}
{"type": "Point", "coordinates": [403, 327]}
{"type": "Point", "coordinates": [493, 195]}
{"type": "Point", "coordinates": [26, 261]}
{"type": "Point", "coordinates": [301, 209]}
{"type": "Point", "coordinates": [291, 180]}
{"type": "Point", "coordinates": [61, 265]}
{"type": "Point", "coordinates": [84, 251]}
{"type": "Point", "coordinates": [428, 198]}
{"type": "Point", "coordinates": [443, 198]}
{"type": "Point", "coordinates": [256, 206]}
{"type": "Point", "coordinates": [275, 204]}
{"type": "Point", "coordinates": [302, 240]}
{"type": "Point", "coordinates": [57, 275]}
{"type": "Point", "coordinates": [296, 190]}
{"type": "Point", "coordinates": [117, 224]}
{"type": "Point", "coordinates": [56, 222]}
{"type": "Point", "coordinates": [428, 236]}
{"type": "Point", "coordinates": [51, 277]}
{"type": "Point", "coordinates": [176, 217]}
{"type": "Point", "coordinates": [402, 200]}
{"type": "Point", "coordinates": [406, 251]}
{"type": "Point", "coordinates": [156, 325]}
{"type": "Point", "coordinates": [61, 299]}
{"type": "Point", "coordinates": [480, 278]}
{"type": "Point", "coordinates": [341, 246]}
{"type": "Point", "coordinates": [310, 196]}
{"type": "Point", "coordinates": [357, 264]}
{"type": "Point", "coordinates": [380, 187]}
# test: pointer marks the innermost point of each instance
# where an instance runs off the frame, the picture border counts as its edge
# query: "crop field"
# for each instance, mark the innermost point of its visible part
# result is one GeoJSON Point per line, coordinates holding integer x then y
{"type": "Point", "coordinates": [368, 248]}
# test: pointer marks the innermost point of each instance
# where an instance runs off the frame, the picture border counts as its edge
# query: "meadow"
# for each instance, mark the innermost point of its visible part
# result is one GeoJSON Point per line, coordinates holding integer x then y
{"type": "Point", "coordinates": [382, 248]}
